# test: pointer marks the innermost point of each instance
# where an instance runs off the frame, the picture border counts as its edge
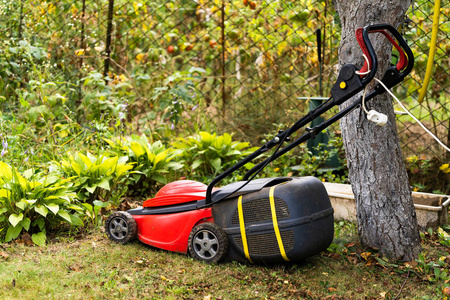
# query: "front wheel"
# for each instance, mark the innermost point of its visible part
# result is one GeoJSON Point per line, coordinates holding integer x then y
{"type": "Point", "coordinates": [121, 227]}
{"type": "Point", "coordinates": [208, 242]}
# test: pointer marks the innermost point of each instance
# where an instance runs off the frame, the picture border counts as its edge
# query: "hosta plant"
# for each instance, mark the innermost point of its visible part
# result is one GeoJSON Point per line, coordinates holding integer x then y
{"type": "Point", "coordinates": [153, 163]}
{"type": "Point", "coordinates": [96, 176]}
{"type": "Point", "coordinates": [208, 155]}
{"type": "Point", "coordinates": [29, 204]}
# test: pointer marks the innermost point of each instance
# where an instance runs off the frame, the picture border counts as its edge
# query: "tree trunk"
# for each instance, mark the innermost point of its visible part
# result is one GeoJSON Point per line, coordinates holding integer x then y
{"type": "Point", "coordinates": [385, 211]}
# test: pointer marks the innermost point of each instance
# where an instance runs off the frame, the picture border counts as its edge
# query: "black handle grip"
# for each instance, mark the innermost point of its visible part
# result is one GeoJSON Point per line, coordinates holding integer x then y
{"type": "Point", "coordinates": [401, 41]}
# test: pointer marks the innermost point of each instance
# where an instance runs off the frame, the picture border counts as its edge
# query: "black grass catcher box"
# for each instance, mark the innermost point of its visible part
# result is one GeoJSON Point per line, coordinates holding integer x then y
{"type": "Point", "coordinates": [274, 220]}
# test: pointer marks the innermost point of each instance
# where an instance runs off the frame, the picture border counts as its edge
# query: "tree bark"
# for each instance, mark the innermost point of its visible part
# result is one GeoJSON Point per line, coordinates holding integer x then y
{"type": "Point", "coordinates": [385, 210]}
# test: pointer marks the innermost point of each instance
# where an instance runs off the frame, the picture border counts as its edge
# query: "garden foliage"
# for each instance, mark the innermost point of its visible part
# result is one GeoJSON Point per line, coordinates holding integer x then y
{"type": "Point", "coordinates": [76, 140]}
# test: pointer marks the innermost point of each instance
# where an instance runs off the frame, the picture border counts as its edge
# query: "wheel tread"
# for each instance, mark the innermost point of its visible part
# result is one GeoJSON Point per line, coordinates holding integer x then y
{"type": "Point", "coordinates": [131, 224]}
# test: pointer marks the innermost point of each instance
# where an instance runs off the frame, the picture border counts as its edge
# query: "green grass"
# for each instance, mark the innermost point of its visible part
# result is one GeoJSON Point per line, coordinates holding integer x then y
{"type": "Point", "coordinates": [95, 268]}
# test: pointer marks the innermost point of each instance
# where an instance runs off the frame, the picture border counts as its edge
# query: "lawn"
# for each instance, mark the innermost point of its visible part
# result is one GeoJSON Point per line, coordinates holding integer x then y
{"type": "Point", "coordinates": [90, 266]}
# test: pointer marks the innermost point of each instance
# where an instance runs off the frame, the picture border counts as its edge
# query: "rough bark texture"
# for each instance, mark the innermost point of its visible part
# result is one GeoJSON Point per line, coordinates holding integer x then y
{"type": "Point", "coordinates": [385, 211]}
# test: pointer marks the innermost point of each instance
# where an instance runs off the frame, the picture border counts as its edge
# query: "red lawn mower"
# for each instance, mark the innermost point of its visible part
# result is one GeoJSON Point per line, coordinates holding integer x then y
{"type": "Point", "coordinates": [266, 220]}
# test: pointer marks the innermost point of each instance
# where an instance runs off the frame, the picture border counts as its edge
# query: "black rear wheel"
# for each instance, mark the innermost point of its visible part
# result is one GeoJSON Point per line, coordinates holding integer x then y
{"type": "Point", "coordinates": [121, 227]}
{"type": "Point", "coordinates": [208, 242]}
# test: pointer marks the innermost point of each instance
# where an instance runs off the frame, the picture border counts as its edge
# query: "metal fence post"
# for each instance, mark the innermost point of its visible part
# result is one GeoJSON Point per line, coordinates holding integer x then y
{"type": "Point", "coordinates": [109, 36]}
{"type": "Point", "coordinates": [222, 25]}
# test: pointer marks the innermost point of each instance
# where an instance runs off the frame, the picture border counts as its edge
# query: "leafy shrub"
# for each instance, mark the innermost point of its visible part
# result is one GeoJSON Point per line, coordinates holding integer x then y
{"type": "Point", "coordinates": [318, 165]}
{"type": "Point", "coordinates": [102, 98]}
{"type": "Point", "coordinates": [428, 175]}
{"type": "Point", "coordinates": [31, 205]}
{"type": "Point", "coordinates": [153, 163]}
{"type": "Point", "coordinates": [96, 177]}
{"type": "Point", "coordinates": [301, 161]}
{"type": "Point", "coordinates": [207, 155]}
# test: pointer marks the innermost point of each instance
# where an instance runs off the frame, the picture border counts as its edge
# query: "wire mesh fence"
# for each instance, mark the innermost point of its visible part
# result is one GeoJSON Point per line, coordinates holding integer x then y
{"type": "Point", "coordinates": [225, 65]}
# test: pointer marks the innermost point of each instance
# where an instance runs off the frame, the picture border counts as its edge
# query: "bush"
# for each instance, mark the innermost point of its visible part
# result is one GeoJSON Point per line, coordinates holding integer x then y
{"type": "Point", "coordinates": [96, 177]}
{"type": "Point", "coordinates": [153, 163]}
{"type": "Point", "coordinates": [208, 155]}
{"type": "Point", "coordinates": [34, 204]}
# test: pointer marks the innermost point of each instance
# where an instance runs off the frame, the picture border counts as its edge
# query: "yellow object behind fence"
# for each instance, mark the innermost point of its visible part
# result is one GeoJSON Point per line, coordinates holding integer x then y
{"type": "Point", "coordinates": [434, 32]}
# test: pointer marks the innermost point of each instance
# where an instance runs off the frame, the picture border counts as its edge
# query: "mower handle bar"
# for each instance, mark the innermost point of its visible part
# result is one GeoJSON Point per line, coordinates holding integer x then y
{"type": "Point", "coordinates": [355, 85]}
{"type": "Point", "coordinates": [392, 77]}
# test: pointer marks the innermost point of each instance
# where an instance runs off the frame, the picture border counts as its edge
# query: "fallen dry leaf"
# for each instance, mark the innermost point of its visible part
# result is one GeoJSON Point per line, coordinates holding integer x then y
{"type": "Point", "coordinates": [446, 291]}
{"type": "Point", "coordinates": [4, 255]}
{"type": "Point", "coordinates": [366, 255]}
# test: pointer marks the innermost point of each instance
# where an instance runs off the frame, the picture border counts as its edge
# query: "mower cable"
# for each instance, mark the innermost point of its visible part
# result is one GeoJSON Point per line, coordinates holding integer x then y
{"type": "Point", "coordinates": [412, 116]}
{"type": "Point", "coordinates": [363, 101]}
{"type": "Point", "coordinates": [365, 88]}
{"type": "Point", "coordinates": [368, 67]}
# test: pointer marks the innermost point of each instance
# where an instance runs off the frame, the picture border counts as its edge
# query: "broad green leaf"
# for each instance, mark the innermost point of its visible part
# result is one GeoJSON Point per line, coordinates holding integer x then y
{"type": "Point", "coordinates": [122, 160]}
{"type": "Point", "coordinates": [93, 171]}
{"type": "Point", "coordinates": [85, 160]}
{"type": "Point", "coordinates": [42, 210]}
{"type": "Point", "coordinates": [159, 157]}
{"type": "Point", "coordinates": [76, 167]}
{"type": "Point", "coordinates": [91, 189]}
{"type": "Point", "coordinates": [39, 222]}
{"type": "Point", "coordinates": [150, 155]}
{"type": "Point", "coordinates": [175, 165]}
{"type": "Point", "coordinates": [3, 210]}
{"type": "Point", "coordinates": [206, 137]}
{"type": "Point", "coordinates": [15, 219]}
{"type": "Point", "coordinates": [24, 183]}
{"type": "Point", "coordinates": [53, 207]}
{"type": "Point", "coordinates": [31, 202]}
{"type": "Point", "coordinates": [99, 203]}
{"type": "Point", "coordinates": [76, 221]}
{"type": "Point", "coordinates": [226, 139]}
{"type": "Point", "coordinates": [233, 152]}
{"type": "Point", "coordinates": [109, 165]}
{"type": "Point", "coordinates": [5, 171]}
{"type": "Point", "coordinates": [137, 149]}
{"type": "Point", "coordinates": [50, 180]}
{"type": "Point", "coordinates": [39, 238]}
{"type": "Point", "coordinates": [159, 178]}
{"type": "Point", "coordinates": [122, 169]}
{"type": "Point", "coordinates": [91, 157]}
{"type": "Point", "coordinates": [240, 146]}
{"type": "Point", "coordinates": [21, 204]}
{"type": "Point", "coordinates": [5, 193]}
{"type": "Point", "coordinates": [65, 215]}
{"type": "Point", "coordinates": [13, 232]}
{"type": "Point", "coordinates": [104, 183]}
{"type": "Point", "coordinates": [181, 144]}
{"type": "Point", "coordinates": [249, 165]}
{"type": "Point", "coordinates": [196, 164]}
{"type": "Point", "coordinates": [88, 207]}
{"type": "Point", "coordinates": [75, 207]}
{"type": "Point", "coordinates": [52, 197]}
{"type": "Point", "coordinates": [218, 142]}
{"type": "Point", "coordinates": [65, 164]}
{"type": "Point", "coordinates": [216, 163]}
{"type": "Point", "coordinates": [28, 173]}
{"type": "Point", "coordinates": [25, 223]}
{"type": "Point", "coordinates": [110, 142]}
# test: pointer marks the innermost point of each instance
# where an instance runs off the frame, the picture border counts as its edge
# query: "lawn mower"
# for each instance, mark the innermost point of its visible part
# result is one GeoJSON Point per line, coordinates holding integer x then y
{"type": "Point", "coordinates": [265, 220]}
